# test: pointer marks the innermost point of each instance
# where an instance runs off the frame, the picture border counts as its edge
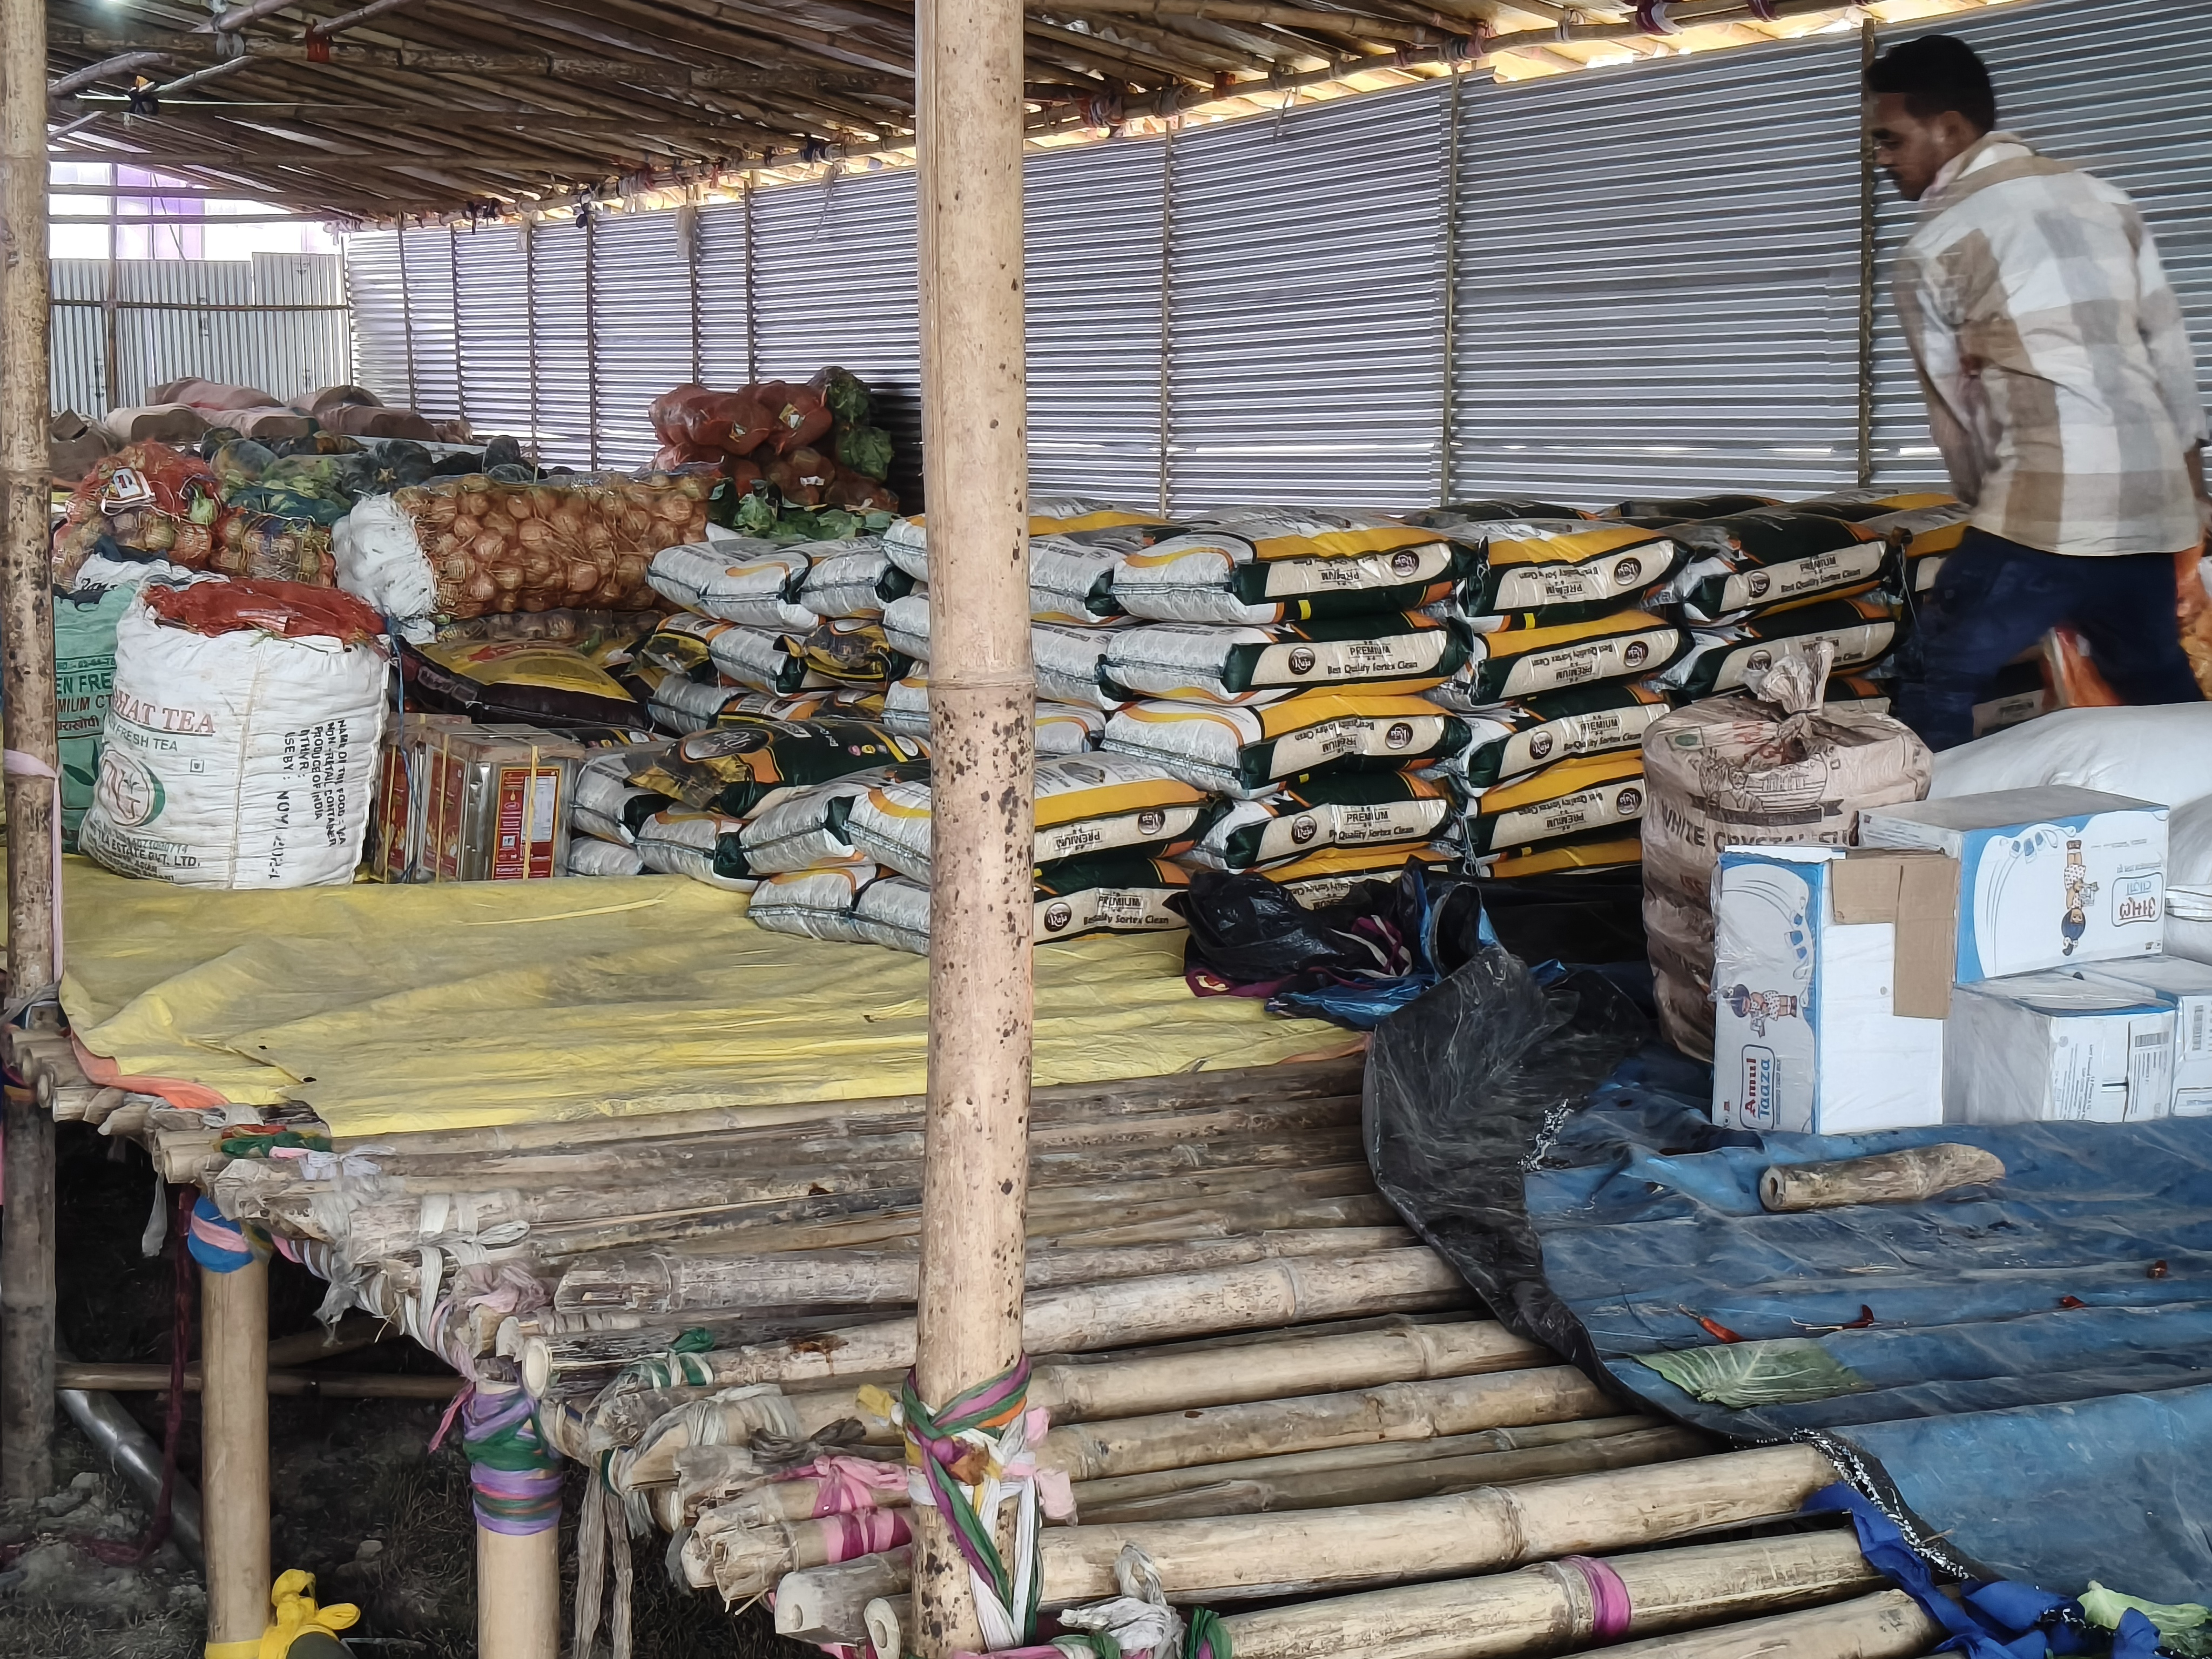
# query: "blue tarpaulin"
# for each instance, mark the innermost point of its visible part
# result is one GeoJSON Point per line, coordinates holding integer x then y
{"type": "Point", "coordinates": [2032, 1389]}
{"type": "Point", "coordinates": [2040, 1358]}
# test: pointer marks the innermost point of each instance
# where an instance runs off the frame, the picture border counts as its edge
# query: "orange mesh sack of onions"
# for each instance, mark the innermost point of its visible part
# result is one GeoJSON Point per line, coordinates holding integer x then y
{"type": "Point", "coordinates": [475, 546]}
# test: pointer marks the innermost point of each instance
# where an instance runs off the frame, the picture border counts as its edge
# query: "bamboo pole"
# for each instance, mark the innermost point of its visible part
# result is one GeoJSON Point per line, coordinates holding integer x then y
{"type": "Point", "coordinates": [1349, 1417]}
{"type": "Point", "coordinates": [1906, 1177]}
{"type": "Point", "coordinates": [664, 1283]}
{"type": "Point", "coordinates": [519, 1591]}
{"type": "Point", "coordinates": [1890, 1625]}
{"type": "Point", "coordinates": [1551, 1608]}
{"type": "Point", "coordinates": [155, 1379]}
{"type": "Point", "coordinates": [1121, 1313]}
{"type": "Point", "coordinates": [234, 1458]}
{"type": "Point", "coordinates": [968, 75]}
{"type": "Point", "coordinates": [1262, 1557]}
{"type": "Point", "coordinates": [26, 712]}
{"type": "Point", "coordinates": [1279, 1369]}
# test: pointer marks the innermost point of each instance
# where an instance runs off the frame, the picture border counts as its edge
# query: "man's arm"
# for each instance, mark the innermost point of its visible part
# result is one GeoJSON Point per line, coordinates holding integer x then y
{"type": "Point", "coordinates": [1944, 379]}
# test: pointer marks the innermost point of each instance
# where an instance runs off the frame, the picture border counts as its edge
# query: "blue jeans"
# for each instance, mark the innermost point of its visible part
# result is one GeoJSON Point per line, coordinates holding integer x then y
{"type": "Point", "coordinates": [1994, 598]}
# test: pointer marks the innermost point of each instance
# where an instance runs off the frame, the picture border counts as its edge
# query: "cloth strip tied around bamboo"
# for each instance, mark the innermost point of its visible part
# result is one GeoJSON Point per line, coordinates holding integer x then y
{"type": "Point", "coordinates": [513, 1475]}
{"type": "Point", "coordinates": [221, 1245]}
{"type": "Point", "coordinates": [967, 1461]}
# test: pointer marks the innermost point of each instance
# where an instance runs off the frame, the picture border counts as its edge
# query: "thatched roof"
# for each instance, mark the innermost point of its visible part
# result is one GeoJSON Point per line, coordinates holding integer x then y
{"type": "Point", "coordinates": [440, 108]}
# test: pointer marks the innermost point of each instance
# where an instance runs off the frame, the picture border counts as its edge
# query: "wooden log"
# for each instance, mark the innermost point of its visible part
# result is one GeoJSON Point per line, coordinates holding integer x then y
{"type": "Point", "coordinates": [1393, 1411]}
{"type": "Point", "coordinates": [1889, 1626]}
{"type": "Point", "coordinates": [1393, 1482]}
{"type": "Point", "coordinates": [27, 715]}
{"type": "Point", "coordinates": [1906, 1177]}
{"type": "Point", "coordinates": [664, 1283]}
{"type": "Point", "coordinates": [1280, 1368]}
{"type": "Point", "coordinates": [155, 1379]}
{"type": "Point", "coordinates": [747, 1560]}
{"type": "Point", "coordinates": [234, 1456]}
{"type": "Point", "coordinates": [1256, 1558]}
{"type": "Point", "coordinates": [1122, 1313]}
{"type": "Point", "coordinates": [1550, 1607]}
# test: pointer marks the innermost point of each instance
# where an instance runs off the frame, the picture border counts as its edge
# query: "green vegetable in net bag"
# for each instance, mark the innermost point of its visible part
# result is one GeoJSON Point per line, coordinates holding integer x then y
{"type": "Point", "coordinates": [866, 449]}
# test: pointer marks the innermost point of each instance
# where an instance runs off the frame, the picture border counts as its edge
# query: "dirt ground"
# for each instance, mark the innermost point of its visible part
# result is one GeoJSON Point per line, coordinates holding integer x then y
{"type": "Point", "coordinates": [359, 1499]}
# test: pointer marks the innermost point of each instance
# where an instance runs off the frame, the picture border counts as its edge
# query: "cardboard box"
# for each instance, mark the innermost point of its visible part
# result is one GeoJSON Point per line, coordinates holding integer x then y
{"type": "Point", "coordinates": [1832, 974]}
{"type": "Point", "coordinates": [395, 825]}
{"type": "Point", "coordinates": [2057, 1047]}
{"type": "Point", "coordinates": [496, 803]}
{"type": "Point", "coordinates": [2049, 877]}
{"type": "Point", "coordinates": [2188, 986]}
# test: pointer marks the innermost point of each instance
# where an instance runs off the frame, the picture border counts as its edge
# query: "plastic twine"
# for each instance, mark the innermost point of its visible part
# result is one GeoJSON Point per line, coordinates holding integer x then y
{"type": "Point", "coordinates": [1138, 1623]}
{"type": "Point", "coordinates": [221, 1245]}
{"type": "Point", "coordinates": [514, 1475]}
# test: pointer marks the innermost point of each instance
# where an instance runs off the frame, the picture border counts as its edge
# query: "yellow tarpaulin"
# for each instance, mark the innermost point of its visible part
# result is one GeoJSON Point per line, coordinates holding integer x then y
{"type": "Point", "coordinates": [454, 1006]}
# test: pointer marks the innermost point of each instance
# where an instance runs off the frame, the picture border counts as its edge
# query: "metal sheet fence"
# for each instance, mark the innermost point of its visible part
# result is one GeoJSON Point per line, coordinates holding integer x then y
{"type": "Point", "coordinates": [1650, 281]}
{"type": "Point", "coordinates": [278, 321]}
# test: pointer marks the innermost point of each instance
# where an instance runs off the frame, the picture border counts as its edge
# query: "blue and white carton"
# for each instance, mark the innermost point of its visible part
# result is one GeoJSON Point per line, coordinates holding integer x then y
{"type": "Point", "coordinates": [2057, 1047]}
{"type": "Point", "coordinates": [2048, 878]}
{"type": "Point", "coordinates": [1809, 1037]}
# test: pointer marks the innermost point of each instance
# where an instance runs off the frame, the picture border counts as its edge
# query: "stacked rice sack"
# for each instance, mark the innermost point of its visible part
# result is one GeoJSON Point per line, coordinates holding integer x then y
{"type": "Point", "coordinates": [1278, 659]}
{"type": "Point", "coordinates": [1107, 827]}
{"type": "Point", "coordinates": [1567, 639]}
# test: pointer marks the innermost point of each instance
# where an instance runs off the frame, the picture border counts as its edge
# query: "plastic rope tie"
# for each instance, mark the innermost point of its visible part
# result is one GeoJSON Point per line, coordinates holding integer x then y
{"type": "Point", "coordinates": [1609, 1605]}
{"type": "Point", "coordinates": [221, 1245]}
{"type": "Point", "coordinates": [515, 1476]}
{"type": "Point", "coordinates": [960, 1459]}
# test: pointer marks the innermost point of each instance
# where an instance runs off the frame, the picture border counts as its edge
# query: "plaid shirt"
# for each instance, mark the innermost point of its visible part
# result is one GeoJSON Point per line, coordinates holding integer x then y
{"type": "Point", "coordinates": [2061, 385]}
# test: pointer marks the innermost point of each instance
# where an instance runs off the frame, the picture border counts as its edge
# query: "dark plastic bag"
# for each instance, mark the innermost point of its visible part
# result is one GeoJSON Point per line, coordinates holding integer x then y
{"type": "Point", "coordinates": [1465, 1089]}
{"type": "Point", "coordinates": [1354, 962]}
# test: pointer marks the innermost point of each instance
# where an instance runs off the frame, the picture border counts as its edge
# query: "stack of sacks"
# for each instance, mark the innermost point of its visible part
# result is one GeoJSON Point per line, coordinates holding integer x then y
{"type": "Point", "coordinates": [783, 629]}
{"type": "Point", "coordinates": [1076, 546]}
{"type": "Point", "coordinates": [1107, 829]}
{"type": "Point", "coordinates": [754, 798]}
{"type": "Point", "coordinates": [1559, 684]}
{"type": "Point", "coordinates": [1278, 659]}
{"type": "Point", "coordinates": [607, 810]}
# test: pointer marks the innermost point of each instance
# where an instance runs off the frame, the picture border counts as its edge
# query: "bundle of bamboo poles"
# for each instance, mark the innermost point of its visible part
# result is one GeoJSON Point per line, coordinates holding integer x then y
{"type": "Point", "coordinates": [1252, 1372]}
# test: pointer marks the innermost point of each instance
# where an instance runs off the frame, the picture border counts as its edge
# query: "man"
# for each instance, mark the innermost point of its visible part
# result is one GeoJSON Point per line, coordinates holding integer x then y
{"type": "Point", "coordinates": [2061, 389]}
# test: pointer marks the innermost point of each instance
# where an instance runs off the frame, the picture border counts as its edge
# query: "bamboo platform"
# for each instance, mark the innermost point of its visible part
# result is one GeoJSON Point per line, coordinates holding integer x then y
{"type": "Point", "coordinates": [1253, 1373]}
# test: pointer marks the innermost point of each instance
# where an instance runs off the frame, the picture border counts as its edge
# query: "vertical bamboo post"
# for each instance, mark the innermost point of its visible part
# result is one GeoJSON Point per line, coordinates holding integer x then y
{"type": "Point", "coordinates": [518, 1580]}
{"type": "Point", "coordinates": [969, 71]}
{"type": "Point", "coordinates": [518, 1593]}
{"type": "Point", "coordinates": [26, 706]}
{"type": "Point", "coordinates": [234, 1456]}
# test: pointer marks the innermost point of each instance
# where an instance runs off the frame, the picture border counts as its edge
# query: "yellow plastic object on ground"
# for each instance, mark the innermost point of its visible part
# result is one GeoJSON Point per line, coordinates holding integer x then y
{"type": "Point", "coordinates": [465, 1005]}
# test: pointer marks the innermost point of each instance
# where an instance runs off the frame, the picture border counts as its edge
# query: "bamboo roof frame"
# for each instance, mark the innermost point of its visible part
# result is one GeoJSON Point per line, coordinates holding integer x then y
{"type": "Point", "coordinates": [439, 111]}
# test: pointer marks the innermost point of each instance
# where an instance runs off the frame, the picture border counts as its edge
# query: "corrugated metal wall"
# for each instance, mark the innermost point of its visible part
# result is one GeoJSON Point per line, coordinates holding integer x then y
{"type": "Point", "coordinates": [1638, 281]}
{"type": "Point", "coordinates": [277, 321]}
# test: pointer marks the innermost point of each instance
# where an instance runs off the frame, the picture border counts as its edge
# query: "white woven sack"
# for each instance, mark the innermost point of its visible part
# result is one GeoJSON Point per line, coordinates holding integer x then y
{"type": "Point", "coordinates": [235, 760]}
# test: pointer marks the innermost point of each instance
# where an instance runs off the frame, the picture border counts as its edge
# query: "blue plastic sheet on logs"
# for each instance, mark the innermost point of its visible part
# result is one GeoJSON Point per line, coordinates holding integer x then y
{"type": "Point", "coordinates": [2040, 1387]}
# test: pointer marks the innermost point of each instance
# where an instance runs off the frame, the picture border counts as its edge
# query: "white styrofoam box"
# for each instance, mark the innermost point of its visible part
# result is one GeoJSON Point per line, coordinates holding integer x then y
{"type": "Point", "coordinates": [2188, 986]}
{"type": "Point", "coordinates": [1806, 1038]}
{"type": "Point", "coordinates": [2056, 1048]}
{"type": "Point", "coordinates": [2049, 877]}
